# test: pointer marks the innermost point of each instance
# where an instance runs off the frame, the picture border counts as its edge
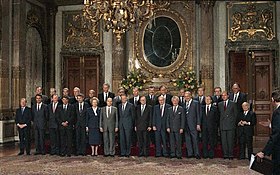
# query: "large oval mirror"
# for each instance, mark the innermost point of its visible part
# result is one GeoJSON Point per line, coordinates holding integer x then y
{"type": "Point", "coordinates": [162, 42]}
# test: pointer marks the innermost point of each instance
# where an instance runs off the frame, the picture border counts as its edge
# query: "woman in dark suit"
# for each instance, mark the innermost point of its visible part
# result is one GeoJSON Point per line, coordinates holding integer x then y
{"type": "Point", "coordinates": [92, 126]}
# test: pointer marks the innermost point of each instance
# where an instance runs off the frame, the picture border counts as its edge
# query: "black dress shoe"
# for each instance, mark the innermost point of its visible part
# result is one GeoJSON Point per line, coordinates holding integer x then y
{"type": "Point", "coordinates": [28, 154]}
{"type": "Point", "coordinates": [190, 157]}
{"type": "Point", "coordinates": [37, 153]}
{"type": "Point", "coordinates": [179, 157]}
{"type": "Point", "coordinates": [68, 155]}
{"type": "Point", "coordinates": [43, 153]}
{"type": "Point", "coordinates": [62, 155]}
{"type": "Point", "coordinates": [112, 156]}
{"type": "Point", "coordinates": [20, 153]}
{"type": "Point", "coordinates": [172, 157]}
{"type": "Point", "coordinates": [106, 155]}
{"type": "Point", "coordinates": [225, 157]}
{"type": "Point", "coordinates": [197, 157]}
{"type": "Point", "coordinates": [231, 158]}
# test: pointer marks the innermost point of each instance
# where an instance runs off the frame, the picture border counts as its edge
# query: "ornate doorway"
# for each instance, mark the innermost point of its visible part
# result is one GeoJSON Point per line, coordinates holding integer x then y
{"type": "Point", "coordinates": [82, 72]}
{"type": "Point", "coordinates": [253, 70]}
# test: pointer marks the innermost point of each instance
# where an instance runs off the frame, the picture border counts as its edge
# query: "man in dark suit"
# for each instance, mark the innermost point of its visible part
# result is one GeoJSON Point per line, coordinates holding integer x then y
{"type": "Point", "coordinates": [117, 99]}
{"type": "Point", "coordinates": [217, 98]}
{"type": "Point", "coordinates": [246, 123]}
{"type": "Point", "coordinates": [39, 90]}
{"type": "Point", "coordinates": [109, 125]}
{"type": "Point", "coordinates": [182, 97]}
{"type": "Point", "coordinates": [135, 100]}
{"type": "Point", "coordinates": [228, 121]}
{"type": "Point", "coordinates": [159, 126]}
{"type": "Point", "coordinates": [103, 96]}
{"type": "Point", "coordinates": [74, 98]}
{"type": "Point", "coordinates": [163, 93]}
{"type": "Point", "coordinates": [65, 93]}
{"type": "Point", "coordinates": [175, 124]}
{"type": "Point", "coordinates": [53, 115]}
{"type": "Point", "coordinates": [126, 122]}
{"type": "Point", "coordinates": [143, 125]}
{"type": "Point", "coordinates": [80, 125]}
{"type": "Point", "coordinates": [200, 96]}
{"type": "Point", "coordinates": [23, 123]}
{"type": "Point", "coordinates": [66, 121]}
{"type": "Point", "coordinates": [273, 145]}
{"type": "Point", "coordinates": [210, 118]}
{"type": "Point", "coordinates": [91, 93]}
{"type": "Point", "coordinates": [151, 100]}
{"type": "Point", "coordinates": [237, 97]}
{"type": "Point", "coordinates": [151, 97]}
{"type": "Point", "coordinates": [192, 125]}
{"type": "Point", "coordinates": [40, 116]}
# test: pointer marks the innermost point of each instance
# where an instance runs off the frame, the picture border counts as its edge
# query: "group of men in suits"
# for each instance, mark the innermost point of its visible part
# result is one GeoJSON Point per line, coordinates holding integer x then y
{"type": "Point", "coordinates": [165, 119]}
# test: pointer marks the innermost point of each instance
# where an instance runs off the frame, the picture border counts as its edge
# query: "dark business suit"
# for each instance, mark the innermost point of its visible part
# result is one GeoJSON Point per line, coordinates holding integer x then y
{"type": "Point", "coordinates": [134, 134]}
{"type": "Point", "coordinates": [73, 100]}
{"type": "Point", "coordinates": [181, 100]}
{"type": "Point", "coordinates": [159, 121]}
{"type": "Point", "coordinates": [216, 100]}
{"type": "Point", "coordinates": [246, 133]}
{"type": "Point", "coordinates": [242, 97]}
{"type": "Point", "coordinates": [45, 100]}
{"type": "Point", "coordinates": [209, 129]}
{"type": "Point", "coordinates": [142, 122]}
{"type": "Point", "coordinates": [175, 121]}
{"type": "Point", "coordinates": [109, 121]}
{"type": "Point", "coordinates": [126, 123]}
{"type": "Point", "coordinates": [201, 102]}
{"type": "Point", "coordinates": [168, 98]}
{"type": "Point", "coordinates": [39, 120]}
{"type": "Point", "coordinates": [103, 103]}
{"type": "Point", "coordinates": [131, 100]}
{"type": "Point", "coordinates": [151, 100]}
{"type": "Point", "coordinates": [53, 127]}
{"type": "Point", "coordinates": [193, 118]}
{"type": "Point", "coordinates": [117, 101]}
{"type": "Point", "coordinates": [24, 117]}
{"type": "Point", "coordinates": [80, 127]}
{"type": "Point", "coordinates": [228, 122]}
{"type": "Point", "coordinates": [66, 132]}
{"type": "Point", "coordinates": [273, 145]}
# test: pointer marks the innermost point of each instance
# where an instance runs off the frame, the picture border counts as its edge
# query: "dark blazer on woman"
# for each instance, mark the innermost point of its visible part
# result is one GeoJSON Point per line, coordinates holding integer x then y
{"type": "Point", "coordinates": [92, 120]}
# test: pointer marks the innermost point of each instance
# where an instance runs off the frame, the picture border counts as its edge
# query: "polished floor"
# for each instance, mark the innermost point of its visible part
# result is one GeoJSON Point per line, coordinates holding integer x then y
{"type": "Point", "coordinates": [11, 149]}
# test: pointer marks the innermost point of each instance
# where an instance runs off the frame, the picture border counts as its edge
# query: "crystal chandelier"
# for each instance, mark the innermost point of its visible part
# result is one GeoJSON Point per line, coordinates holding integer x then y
{"type": "Point", "coordinates": [118, 15]}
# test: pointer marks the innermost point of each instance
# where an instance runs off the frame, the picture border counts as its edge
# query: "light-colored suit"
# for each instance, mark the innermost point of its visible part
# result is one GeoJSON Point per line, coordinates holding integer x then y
{"type": "Point", "coordinates": [109, 121]}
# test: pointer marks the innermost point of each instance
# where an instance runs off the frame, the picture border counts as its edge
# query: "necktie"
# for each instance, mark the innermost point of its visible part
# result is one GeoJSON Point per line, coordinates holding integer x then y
{"type": "Point", "coordinates": [174, 109]}
{"type": "Point", "coordinates": [53, 107]}
{"type": "Point", "coordinates": [106, 96]}
{"type": "Point", "coordinates": [65, 107]}
{"type": "Point", "coordinates": [200, 99]}
{"type": "Point", "coordinates": [161, 107]}
{"type": "Point", "coordinates": [207, 111]}
{"type": "Point", "coordinates": [38, 107]}
{"type": "Point", "coordinates": [81, 108]}
{"type": "Point", "coordinates": [245, 113]}
{"type": "Point", "coordinates": [22, 111]}
{"type": "Point", "coordinates": [108, 112]}
{"type": "Point", "coordinates": [123, 108]}
{"type": "Point", "coordinates": [135, 101]}
{"type": "Point", "coordinates": [142, 109]}
{"type": "Point", "coordinates": [187, 107]}
{"type": "Point", "coordinates": [235, 98]}
{"type": "Point", "coordinates": [225, 105]}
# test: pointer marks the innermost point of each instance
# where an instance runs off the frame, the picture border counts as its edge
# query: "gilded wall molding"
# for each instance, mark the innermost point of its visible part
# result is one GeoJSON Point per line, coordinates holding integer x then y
{"type": "Point", "coordinates": [79, 32]}
{"type": "Point", "coordinates": [251, 21]}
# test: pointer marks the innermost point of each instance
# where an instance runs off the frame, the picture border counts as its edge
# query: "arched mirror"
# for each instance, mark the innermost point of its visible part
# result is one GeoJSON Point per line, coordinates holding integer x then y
{"type": "Point", "coordinates": [163, 43]}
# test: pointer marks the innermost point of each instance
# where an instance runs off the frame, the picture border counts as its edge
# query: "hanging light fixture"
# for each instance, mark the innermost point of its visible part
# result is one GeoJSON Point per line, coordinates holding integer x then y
{"type": "Point", "coordinates": [118, 15]}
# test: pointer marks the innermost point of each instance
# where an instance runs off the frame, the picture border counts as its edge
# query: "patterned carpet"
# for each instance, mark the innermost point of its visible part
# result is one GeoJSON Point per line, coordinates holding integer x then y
{"type": "Point", "coordinates": [115, 166]}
